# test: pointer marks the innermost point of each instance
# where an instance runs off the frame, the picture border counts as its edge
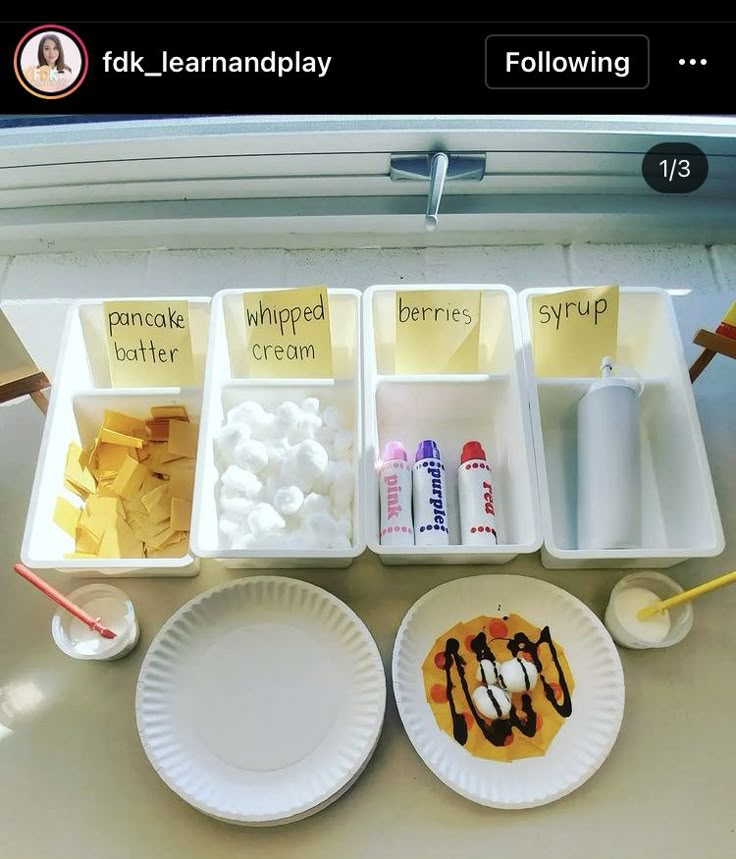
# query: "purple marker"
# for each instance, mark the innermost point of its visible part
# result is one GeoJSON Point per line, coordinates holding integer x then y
{"type": "Point", "coordinates": [397, 527]}
{"type": "Point", "coordinates": [430, 498]}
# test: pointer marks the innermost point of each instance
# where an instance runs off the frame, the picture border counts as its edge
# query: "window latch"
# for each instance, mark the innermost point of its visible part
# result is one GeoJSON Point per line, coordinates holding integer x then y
{"type": "Point", "coordinates": [438, 168]}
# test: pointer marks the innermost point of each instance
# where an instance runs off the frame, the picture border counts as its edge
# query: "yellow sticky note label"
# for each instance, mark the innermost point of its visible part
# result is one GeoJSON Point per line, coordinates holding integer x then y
{"type": "Point", "coordinates": [288, 333]}
{"type": "Point", "coordinates": [149, 343]}
{"type": "Point", "coordinates": [437, 331]}
{"type": "Point", "coordinates": [573, 330]}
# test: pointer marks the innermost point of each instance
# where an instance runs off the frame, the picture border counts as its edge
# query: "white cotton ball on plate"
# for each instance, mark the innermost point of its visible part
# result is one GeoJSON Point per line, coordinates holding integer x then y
{"type": "Point", "coordinates": [251, 455]}
{"type": "Point", "coordinates": [491, 702]}
{"type": "Point", "coordinates": [278, 451]}
{"type": "Point", "coordinates": [242, 481]}
{"type": "Point", "coordinates": [343, 443]}
{"type": "Point", "coordinates": [249, 413]}
{"type": "Point", "coordinates": [288, 416]}
{"type": "Point", "coordinates": [518, 675]}
{"type": "Point", "coordinates": [310, 405]}
{"type": "Point", "coordinates": [489, 673]}
{"type": "Point", "coordinates": [333, 418]}
{"type": "Point", "coordinates": [263, 519]}
{"type": "Point", "coordinates": [288, 499]}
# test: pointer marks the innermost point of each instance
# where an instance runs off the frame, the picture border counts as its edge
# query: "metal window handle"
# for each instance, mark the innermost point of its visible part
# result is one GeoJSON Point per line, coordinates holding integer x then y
{"type": "Point", "coordinates": [437, 167]}
{"type": "Point", "coordinates": [437, 176]}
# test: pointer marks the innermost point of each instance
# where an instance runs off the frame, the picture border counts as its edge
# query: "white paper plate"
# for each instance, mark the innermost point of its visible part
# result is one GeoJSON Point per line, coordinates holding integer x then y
{"type": "Point", "coordinates": [583, 742]}
{"type": "Point", "coordinates": [260, 701]}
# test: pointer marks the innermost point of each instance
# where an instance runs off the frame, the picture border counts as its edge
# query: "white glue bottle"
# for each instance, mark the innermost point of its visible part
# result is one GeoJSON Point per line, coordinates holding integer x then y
{"type": "Point", "coordinates": [477, 511]}
{"type": "Point", "coordinates": [431, 526]}
{"type": "Point", "coordinates": [394, 480]}
{"type": "Point", "coordinates": [609, 464]}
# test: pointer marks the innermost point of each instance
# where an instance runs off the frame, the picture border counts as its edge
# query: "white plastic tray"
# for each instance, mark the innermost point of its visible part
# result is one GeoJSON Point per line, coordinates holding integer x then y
{"type": "Point", "coordinates": [227, 384]}
{"type": "Point", "coordinates": [80, 394]}
{"type": "Point", "coordinates": [680, 518]}
{"type": "Point", "coordinates": [490, 406]}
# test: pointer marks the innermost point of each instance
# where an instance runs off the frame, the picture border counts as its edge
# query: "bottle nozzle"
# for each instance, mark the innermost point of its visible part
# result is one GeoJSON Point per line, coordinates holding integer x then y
{"type": "Point", "coordinates": [606, 366]}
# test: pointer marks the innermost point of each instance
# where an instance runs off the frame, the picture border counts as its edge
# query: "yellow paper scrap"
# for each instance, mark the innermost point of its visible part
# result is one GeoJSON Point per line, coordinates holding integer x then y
{"type": "Point", "coordinates": [437, 331]}
{"type": "Point", "coordinates": [149, 343]}
{"type": "Point", "coordinates": [119, 541]}
{"type": "Point", "coordinates": [288, 333]}
{"type": "Point", "coordinates": [169, 412]}
{"type": "Point", "coordinates": [181, 514]}
{"type": "Point", "coordinates": [573, 329]}
{"type": "Point", "coordinates": [181, 484]}
{"type": "Point", "coordinates": [66, 516]}
{"type": "Point", "coordinates": [111, 437]}
{"type": "Point", "coordinates": [124, 424]}
{"type": "Point", "coordinates": [109, 458]}
{"type": "Point", "coordinates": [77, 471]}
{"type": "Point", "coordinates": [183, 438]}
{"type": "Point", "coordinates": [172, 550]}
{"type": "Point", "coordinates": [129, 478]}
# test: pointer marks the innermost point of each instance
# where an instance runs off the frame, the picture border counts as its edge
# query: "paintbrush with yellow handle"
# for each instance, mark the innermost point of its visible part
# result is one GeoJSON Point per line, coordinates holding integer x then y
{"type": "Point", "coordinates": [686, 596]}
{"type": "Point", "coordinates": [723, 342]}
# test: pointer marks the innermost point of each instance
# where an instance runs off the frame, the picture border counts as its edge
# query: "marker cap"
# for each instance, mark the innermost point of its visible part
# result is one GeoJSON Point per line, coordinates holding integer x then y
{"type": "Point", "coordinates": [472, 450]}
{"type": "Point", "coordinates": [394, 450]}
{"type": "Point", "coordinates": [427, 449]}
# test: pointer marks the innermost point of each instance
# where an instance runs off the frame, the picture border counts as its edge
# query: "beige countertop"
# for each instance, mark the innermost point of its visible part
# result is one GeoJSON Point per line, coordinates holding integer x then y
{"type": "Point", "coordinates": [76, 782]}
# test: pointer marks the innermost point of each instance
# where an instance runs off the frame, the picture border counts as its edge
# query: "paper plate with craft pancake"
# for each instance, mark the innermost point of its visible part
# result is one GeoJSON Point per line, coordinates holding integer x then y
{"type": "Point", "coordinates": [260, 701]}
{"type": "Point", "coordinates": [510, 689]}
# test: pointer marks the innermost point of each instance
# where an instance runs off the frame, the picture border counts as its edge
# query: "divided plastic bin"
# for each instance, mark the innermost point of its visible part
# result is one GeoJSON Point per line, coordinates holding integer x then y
{"type": "Point", "coordinates": [80, 394]}
{"type": "Point", "coordinates": [227, 384]}
{"type": "Point", "coordinates": [489, 406]}
{"type": "Point", "coordinates": [680, 518]}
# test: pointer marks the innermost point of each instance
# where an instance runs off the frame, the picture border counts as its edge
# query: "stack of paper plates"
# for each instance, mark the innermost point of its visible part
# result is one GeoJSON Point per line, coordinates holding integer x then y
{"type": "Point", "coordinates": [261, 701]}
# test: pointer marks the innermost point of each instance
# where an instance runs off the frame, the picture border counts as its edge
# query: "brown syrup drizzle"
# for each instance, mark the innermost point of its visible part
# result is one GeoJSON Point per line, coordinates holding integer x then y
{"type": "Point", "coordinates": [498, 731]}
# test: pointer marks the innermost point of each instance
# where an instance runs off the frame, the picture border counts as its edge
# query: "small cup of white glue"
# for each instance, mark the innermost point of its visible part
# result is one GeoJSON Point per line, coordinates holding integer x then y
{"type": "Point", "coordinates": [640, 590]}
{"type": "Point", "coordinates": [115, 611]}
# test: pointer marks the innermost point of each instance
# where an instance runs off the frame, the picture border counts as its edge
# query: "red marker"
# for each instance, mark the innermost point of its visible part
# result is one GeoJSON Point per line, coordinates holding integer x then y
{"type": "Point", "coordinates": [475, 492]}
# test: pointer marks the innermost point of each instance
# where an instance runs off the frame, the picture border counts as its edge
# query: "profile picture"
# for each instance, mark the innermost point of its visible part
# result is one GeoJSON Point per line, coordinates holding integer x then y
{"type": "Point", "coordinates": [51, 61]}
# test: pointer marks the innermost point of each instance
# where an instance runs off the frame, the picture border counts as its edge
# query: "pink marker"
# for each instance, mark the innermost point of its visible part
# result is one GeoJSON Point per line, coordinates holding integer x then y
{"type": "Point", "coordinates": [394, 478]}
{"type": "Point", "coordinates": [477, 510]}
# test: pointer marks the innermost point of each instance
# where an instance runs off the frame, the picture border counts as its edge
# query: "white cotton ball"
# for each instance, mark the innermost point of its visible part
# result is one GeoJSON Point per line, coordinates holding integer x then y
{"type": "Point", "coordinates": [311, 424]}
{"type": "Point", "coordinates": [288, 416]}
{"type": "Point", "coordinates": [323, 528]}
{"type": "Point", "coordinates": [333, 418]}
{"type": "Point", "coordinates": [489, 674]}
{"type": "Point", "coordinates": [343, 488]}
{"type": "Point", "coordinates": [277, 451]}
{"type": "Point", "coordinates": [339, 542]}
{"type": "Point", "coordinates": [325, 436]}
{"type": "Point", "coordinates": [263, 519]}
{"type": "Point", "coordinates": [298, 434]}
{"type": "Point", "coordinates": [225, 443]}
{"type": "Point", "coordinates": [345, 527]}
{"type": "Point", "coordinates": [242, 481]}
{"type": "Point", "coordinates": [248, 413]}
{"type": "Point", "coordinates": [314, 503]}
{"type": "Point", "coordinates": [266, 428]}
{"type": "Point", "coordinates": [235, 505]}
{"type": "Point", "coordinates": [244, 542]}
{"type": "Point", "coordinates": [343, 443]}
{"type": "Point", "coordinates": [270, 541]}
{"type": "Point", "coordinates": [251, 455]}
{"type": "Point", "coordinates": [302, 538]}
{"type": "Point", "coordinates": [310, 405]}
{"type": "Point", "coordinates": [229, 529]}
{"type": "Point", "coordinates": [323, 483]}
{"type": "Point", "coordinates": [307, 461]}
{"type": "Point", "coordinates": [518, 675]}
{"type": "Point", "coordinates": [288, 500]}
{"type": "Point", "coordinates": [491, 702]}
